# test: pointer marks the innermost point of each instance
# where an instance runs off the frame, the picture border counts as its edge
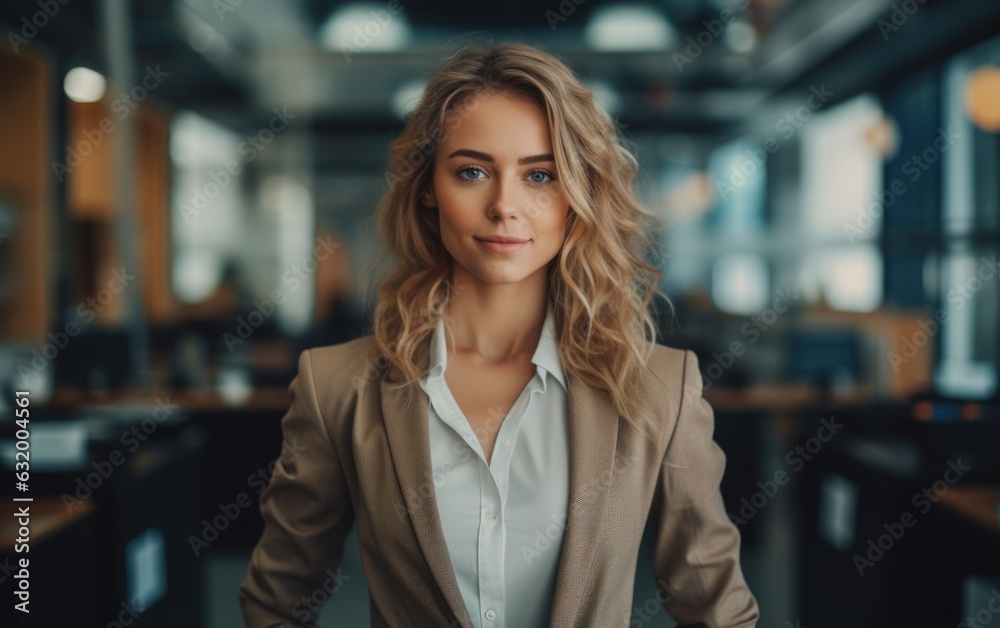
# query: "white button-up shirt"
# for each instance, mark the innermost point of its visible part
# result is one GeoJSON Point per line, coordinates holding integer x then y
{"type": "Point", "coordinates": [504, 521]}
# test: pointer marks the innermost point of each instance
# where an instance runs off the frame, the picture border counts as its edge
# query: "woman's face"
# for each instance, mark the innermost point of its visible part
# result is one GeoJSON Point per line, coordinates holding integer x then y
{"type": "Point", "coordinates": [495, 176]}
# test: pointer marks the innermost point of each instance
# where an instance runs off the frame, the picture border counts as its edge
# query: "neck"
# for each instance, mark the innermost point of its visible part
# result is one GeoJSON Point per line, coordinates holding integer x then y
{"type": "Point", "coordinates": [496, 322]}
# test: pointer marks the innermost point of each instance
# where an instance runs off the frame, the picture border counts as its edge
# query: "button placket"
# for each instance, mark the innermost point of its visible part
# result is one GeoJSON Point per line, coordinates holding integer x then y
{"type": "Point", "coordinates": [483, 545]}
{"type": "Point", "coordinates": [490, 545]}
{"type": "Point", "coordinates": [502, 457]}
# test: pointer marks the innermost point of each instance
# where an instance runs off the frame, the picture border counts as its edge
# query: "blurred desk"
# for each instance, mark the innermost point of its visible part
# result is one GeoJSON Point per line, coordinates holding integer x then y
{"type": "Point", "coordinates": [965, 546]}
{"type": "Point", "coordinates": [977, 504]}
{"type": "Point", "coordinates": [242, 441]}
{"type": "Point", "coordinates": [48, 516]}
{"type": "Point", "coordinates": [60, 566]}
{"type": "Point", "coordinates": [261, 398]}
{"type": "Point", "coordinates": [746, 419]}
{"type": "Point", "coordinates": [781, 404]}
{"type": "Point", "coordinates": [780, 398]}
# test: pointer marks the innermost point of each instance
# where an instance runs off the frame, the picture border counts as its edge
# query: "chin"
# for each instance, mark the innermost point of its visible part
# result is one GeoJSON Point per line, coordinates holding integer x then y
{"type": "Point", "coordinates": [494, 276]}
{"type": "Point", "coordinates": [501, 279]}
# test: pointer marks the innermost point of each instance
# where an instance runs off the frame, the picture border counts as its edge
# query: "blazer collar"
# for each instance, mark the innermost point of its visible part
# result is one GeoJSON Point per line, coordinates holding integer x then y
{"type": "Point", "coordinates": [593, 436]}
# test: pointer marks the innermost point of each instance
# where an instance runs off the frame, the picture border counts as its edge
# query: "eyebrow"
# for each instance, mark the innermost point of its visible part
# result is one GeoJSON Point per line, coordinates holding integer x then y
{"type": "Point", "coordinates": [475, 154]}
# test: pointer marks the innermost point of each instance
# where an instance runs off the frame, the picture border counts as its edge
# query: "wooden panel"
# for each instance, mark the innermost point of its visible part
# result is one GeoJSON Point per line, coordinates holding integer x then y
{"type": "Point", "coordinates": [29, 170]}
{"type": "Point", "coordinates": [88, 156]}
{"type": "Point", "coordinates": [94, 212]}
{"type": "Point", "coordinates": [25, 181]}
{"type": "Point", "coordinates": [153, 197]}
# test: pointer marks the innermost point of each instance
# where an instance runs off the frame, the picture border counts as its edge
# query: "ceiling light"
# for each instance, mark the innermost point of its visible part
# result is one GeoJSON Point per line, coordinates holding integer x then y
{"type": "Point", "coordinates": [407, 97]}
{"type": "Point", "coordinates": [365, 27]}
{"type": "Point", "coordinates": [741, 37]}
{"type": "Point", "coordinates": [629, 27]}
{"type": "Point", "coordinates": [84, 85]}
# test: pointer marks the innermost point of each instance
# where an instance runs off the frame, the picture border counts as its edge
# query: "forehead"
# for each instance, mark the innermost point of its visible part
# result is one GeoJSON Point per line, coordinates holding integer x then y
{"type": "Point", "coordinates": [498, 124]}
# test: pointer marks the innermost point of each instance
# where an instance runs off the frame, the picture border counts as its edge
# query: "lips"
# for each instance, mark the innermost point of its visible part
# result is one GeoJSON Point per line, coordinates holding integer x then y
{"type": "Point", "coordinates": [502, 239]}
{"type": "Point", "coordinates": [502, 245]}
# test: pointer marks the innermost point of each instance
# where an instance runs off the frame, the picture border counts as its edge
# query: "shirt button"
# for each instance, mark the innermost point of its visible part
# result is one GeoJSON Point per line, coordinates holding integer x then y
{"type": "Point", "coordinates": [491, 615]}
{"type": "Point", "coordinates": [492, 516]}
{"type": "Point", "coordinates": [507, 442]}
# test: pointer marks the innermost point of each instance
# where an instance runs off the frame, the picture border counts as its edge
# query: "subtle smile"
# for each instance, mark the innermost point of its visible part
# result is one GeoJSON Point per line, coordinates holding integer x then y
{"type": "Point", "coordinates": [503, 248]}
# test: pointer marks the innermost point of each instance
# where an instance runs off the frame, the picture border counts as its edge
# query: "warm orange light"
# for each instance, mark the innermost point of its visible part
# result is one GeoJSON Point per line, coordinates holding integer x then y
{"type": "Point", "coordinates": [972, 412]}
{"type": "Point", "coordinates": [923, 410]}
{"type": "Point", "coordinates": [982, 98]}
{"type": "Point", "coordinates": [883, 137]}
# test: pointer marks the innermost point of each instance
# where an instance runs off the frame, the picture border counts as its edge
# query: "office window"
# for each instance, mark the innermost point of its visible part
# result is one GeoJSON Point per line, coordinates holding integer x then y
{"type": "Point", "coordinates": [842, 172]}
{"type": "Point", "coordinates": [740, 284]}
{"type": "Point", "coordinates": [846, 278]}
{"type": "Point", "coordinates": [738, 175]}
{"type": "Point", "coordinates": [842, 151]}
{"type": "Point", "coordinates": [207, 217]}
{"type": "Point", "coordinates": [968, 290]}
{"type": "Point", "coordinates": [911, 222]}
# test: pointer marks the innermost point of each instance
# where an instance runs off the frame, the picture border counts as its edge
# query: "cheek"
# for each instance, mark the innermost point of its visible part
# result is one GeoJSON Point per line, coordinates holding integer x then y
{"type": "Point", "coordinates": [454, 221]}
{"type": "Point", "coordinates": [552, 222]}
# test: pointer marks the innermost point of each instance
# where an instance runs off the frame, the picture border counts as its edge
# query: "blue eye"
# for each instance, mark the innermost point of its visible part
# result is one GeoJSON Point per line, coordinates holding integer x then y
{"type": "Point", "coordinates": [461, 173]}
{"type": "Point", "coordinates": [542, 173]}
{"type": "Point", "coordinates": [464, 170]}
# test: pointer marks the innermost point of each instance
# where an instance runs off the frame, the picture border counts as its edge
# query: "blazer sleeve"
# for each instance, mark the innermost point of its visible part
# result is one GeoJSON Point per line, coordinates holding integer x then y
{"type": "Point", "coordinates": [307, 513]}
{"type": "Point", "coordinates": [696, 546]}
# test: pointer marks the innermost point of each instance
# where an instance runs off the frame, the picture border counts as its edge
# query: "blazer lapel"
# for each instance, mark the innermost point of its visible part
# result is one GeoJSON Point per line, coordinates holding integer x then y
{"type": "Point", "coordinates": [593, 440]}
{"type": "Point", "coordinates": [593, 436]}
{"type": "Point", "coordinates": [405, 412]}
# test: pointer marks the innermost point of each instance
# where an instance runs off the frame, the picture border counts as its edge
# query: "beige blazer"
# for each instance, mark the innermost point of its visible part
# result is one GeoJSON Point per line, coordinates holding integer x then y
{"type": "Point", "coordinates": [355, 453]}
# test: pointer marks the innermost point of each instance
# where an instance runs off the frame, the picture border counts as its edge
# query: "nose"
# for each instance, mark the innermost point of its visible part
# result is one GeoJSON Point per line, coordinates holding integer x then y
{"type": "Point", "coordinates": [504, 204]}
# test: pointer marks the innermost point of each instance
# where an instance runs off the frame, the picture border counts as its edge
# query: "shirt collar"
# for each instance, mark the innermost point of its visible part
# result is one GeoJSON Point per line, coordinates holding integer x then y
{"type": "Point", "coordinates": [546, 356]}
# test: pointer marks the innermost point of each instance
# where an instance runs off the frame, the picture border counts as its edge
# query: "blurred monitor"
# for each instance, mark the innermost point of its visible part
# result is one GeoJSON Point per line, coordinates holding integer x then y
{"type": "Point", "coordinates": [96, 359]}
{"type": "Point", "coordinates": [829, 357]}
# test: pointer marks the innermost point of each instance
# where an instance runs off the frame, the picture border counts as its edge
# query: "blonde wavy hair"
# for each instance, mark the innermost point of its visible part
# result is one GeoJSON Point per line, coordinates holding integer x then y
{"type": "Point", "coordinates": [606, 273]}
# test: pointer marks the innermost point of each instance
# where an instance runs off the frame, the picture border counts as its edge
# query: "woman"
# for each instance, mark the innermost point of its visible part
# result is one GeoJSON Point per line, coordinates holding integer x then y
{"type": "Point", "coordinates": [508, 428]}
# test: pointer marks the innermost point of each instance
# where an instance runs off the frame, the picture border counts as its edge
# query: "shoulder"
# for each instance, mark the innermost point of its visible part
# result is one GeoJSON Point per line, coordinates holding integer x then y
{"type": "Point", "coordinates": [350, 354]}
{"type": "Point", "coordinates": [337, 371]}
{"type": "Point", "coordinates": [672, 369]}
{"type": "Point", "coordinates": [672, 382]}
{"type": "Point", "coordinates": [670, 358]}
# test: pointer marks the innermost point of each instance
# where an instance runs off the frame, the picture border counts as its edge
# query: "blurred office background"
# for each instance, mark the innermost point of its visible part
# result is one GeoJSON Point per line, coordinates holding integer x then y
{"type": "Point", "coordinates": [185, 198]}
